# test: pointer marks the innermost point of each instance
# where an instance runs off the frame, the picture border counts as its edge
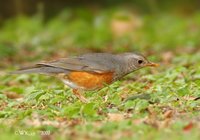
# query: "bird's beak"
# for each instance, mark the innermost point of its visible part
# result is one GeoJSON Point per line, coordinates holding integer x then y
{"type": "Point", "coordinates": [151, 64]}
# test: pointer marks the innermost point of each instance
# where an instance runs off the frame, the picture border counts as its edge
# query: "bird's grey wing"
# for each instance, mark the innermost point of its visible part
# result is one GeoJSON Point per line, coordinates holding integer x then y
{"type": "Point", "coordinates": [95, 62]}
{"type": "Point", "coordinates": [83, 63]}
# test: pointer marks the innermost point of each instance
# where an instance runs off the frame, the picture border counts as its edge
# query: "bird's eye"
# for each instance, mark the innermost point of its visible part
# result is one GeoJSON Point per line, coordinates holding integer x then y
{"type": "Point", "coordinates": [140, 61]}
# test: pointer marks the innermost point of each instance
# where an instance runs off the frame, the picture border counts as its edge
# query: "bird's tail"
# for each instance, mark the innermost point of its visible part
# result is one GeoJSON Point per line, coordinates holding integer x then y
{"type": "Point", "coordinates": [39, 69]}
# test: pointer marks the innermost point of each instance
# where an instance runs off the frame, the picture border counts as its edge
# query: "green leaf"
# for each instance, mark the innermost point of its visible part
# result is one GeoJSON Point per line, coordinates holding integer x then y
{"type": "Point", "coordinates": [89, 109]}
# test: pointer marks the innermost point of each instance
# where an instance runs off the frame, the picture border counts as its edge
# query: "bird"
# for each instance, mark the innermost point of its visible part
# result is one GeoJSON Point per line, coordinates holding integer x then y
{"type": "Point", "coordinates": [91, 71]}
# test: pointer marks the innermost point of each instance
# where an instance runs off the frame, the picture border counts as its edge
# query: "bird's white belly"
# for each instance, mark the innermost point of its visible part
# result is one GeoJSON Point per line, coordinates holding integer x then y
{"type": "Point", "coordinates": [71, 84]}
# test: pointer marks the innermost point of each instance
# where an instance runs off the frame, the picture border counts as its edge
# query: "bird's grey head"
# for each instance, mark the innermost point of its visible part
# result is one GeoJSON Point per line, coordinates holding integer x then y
{"type": "Point", "coordinates": [134, 61]}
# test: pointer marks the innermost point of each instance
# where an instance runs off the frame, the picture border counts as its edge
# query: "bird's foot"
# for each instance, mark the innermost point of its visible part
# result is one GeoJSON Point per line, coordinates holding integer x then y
{"type": "Point", "coordinates": [80, 96]}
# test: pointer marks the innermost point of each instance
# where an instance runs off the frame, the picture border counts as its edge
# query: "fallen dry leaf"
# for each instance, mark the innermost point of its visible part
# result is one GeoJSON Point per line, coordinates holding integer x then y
{"type": "Point", "coordinates": [168, 114]}
{"type": "Point", "coordinates": [3, 105]}
{"type": "Point", "coordinates": [148, 86]}
{"type": "Point", "coordinates": [165, 123]}
{"type": "Point", "coordinates": [167, 57]}
{"type": "Point", "coordinates": [115, 117]}
{"type": "Point", "coordinates": [190, 98]}
{"type": "Point", "coordinates": [188, 127]}
{"type": "Point", "coordinates": [75, 122]}
{"type": "Point", "coordinates": [139, 121]}
{"type": "Point", "coordinates": [12, 95]}
{"type": "Point", "coordinates": [46, 137]}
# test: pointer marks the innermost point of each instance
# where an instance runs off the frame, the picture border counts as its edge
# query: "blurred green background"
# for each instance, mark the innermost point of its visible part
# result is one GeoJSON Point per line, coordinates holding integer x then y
{"type": "Point", "coordinates": [35, 29]}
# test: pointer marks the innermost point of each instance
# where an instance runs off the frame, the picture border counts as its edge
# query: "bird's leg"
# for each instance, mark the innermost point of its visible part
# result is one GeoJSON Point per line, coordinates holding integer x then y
{"type": "Point", "coordinates": [79, 95]}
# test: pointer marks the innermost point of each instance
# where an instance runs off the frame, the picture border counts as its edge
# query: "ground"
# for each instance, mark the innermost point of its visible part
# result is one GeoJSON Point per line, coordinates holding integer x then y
{"type": "Point", "coordinates": [152, 103]}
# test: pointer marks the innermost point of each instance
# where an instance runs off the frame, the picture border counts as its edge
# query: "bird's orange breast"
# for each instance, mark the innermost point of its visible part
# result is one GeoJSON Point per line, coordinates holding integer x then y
{"type": "Point", "coordinates": [90, 80]}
